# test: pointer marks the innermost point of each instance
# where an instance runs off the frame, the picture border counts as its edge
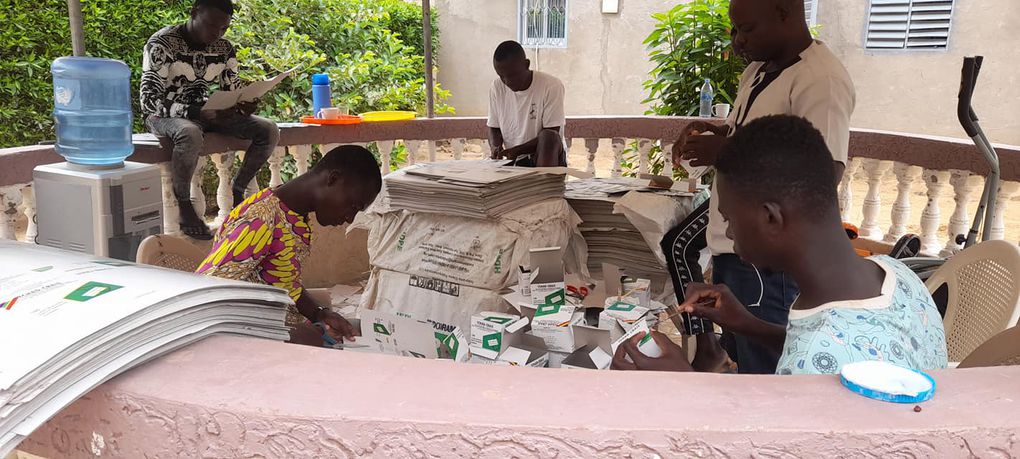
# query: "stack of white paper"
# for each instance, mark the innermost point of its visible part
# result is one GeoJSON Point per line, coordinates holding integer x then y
{"type": "Point", "coordinates": [475, 189]}
{"type": "Point", "coordinates": [610, 236]}
{"type": "Point", "coordinates": [77, 321]}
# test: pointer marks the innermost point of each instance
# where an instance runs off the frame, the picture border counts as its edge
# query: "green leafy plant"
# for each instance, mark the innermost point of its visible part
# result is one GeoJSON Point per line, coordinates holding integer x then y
{"type": "Point", "coordinates": [372, 50]}
{"type": "Point", "coordinates": [689, 43]}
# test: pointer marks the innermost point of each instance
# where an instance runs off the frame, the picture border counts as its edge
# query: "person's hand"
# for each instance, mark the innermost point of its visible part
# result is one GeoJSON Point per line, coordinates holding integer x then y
{"type": "Point", "coordinates": [673, 358]}
{"type": "Point", "coordinates": [306, 334]}
{"type": "Point", "coordinates": [497, 152]}
{"type": "Point", "coordinates": [247, 108]}
{"type": "Point", "coordinates": [336, 326]}
{"type": "Point", "coordinates": [718, 304]}
{"type": "Point", "coordinates": [700, 149]}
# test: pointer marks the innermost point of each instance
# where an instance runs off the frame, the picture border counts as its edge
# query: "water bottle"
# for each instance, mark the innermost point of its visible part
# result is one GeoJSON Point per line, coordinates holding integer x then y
{"type": "Point", "coordinates": [92, 110]}
{"type": "Point", "coordinates": [706, 100]}
{"type": "Point", "coordinates": [320, 93]}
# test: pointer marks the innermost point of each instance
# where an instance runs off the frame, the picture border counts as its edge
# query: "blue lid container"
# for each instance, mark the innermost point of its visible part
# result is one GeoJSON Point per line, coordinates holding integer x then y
{"type": "Point", "coordinates": [92, 110]}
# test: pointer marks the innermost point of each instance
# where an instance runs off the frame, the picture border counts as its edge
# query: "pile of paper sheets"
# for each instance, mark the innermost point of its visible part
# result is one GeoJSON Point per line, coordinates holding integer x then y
{"type": "Point", "coordinates": [70, 321]}
{"type": "Point", "coordinates": [475, 189]}
{"type": "Point", "coordinates": [610, 236]}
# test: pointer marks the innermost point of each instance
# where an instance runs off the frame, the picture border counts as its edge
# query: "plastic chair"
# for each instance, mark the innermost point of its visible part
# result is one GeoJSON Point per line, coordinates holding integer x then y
{"type": "Point", "coordinates": [983, 291]}
{"type": "Point", "coordinates": [1002, 349]}
{"type": "Point", "coordinates": [170, 252]}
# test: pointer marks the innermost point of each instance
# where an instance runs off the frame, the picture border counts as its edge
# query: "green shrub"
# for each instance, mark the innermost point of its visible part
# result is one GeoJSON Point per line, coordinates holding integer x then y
{"type": "Point", "coordinates": [689, 43]}
{"type": "Point", "coordinates": [37, 32]}
{"type": "Point", "coordinates": [360, 43]}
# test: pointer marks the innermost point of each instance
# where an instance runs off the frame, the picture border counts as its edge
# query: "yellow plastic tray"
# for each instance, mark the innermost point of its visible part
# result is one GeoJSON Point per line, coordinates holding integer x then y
{"type": "Point", "coordinates": [372, 117]}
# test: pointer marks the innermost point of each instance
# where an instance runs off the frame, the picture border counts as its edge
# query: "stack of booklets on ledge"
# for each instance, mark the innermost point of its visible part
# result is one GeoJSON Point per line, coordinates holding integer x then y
{"type": "Point", "coordinates": [474, 189]}
{"type": "Point", "coordinates": [70, 321]}
{"type": "Point", "coordinates": [610, 236]}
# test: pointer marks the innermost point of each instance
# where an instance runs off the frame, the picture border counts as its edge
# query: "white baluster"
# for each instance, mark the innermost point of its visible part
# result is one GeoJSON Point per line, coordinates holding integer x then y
{"type": "Point", "coordinates": [385, 151]}
{"type": "Point", "coordinates": [276, 166]}
{"type": "Point", "coordinates": [1006, 192]}
{"type": "Point", "coordinates": [618, 146]}
{"type": "Point", "coordinates": [197, 195]}
{"type": "Point", "coordinates": [28, 203]}
{"type": "Point", "coordinates": [667, 157]}
{"type": "Point", "coordinates": [846, 194]}
{"type": "Point", "coordinates": [413, 147]}
{"type": "Point", "coordinates": [963, 183]}
{"type": "Point", "coordinates": [224, 195]}
{"type": "Point", "coordinates": [931, 217]}
{"type": "Point", "coordinates": [906, 175]}
{"type": "Point", "coordinates": [457, 145]}
{"type": "Point", "coordinates": [592, 146]}
{"type": "Point", "coordinates": [644, 146]}
{"type": "Point", "coordinates": [10, 201]}
{"type": "Point", "coordinates": [302, 154]}
{"type": "Point", "coordinates": [171, 211]}
{"type": "Point", "coordinates": [875, 170]}
{"type": "Point", "coordinates": [432, 151]}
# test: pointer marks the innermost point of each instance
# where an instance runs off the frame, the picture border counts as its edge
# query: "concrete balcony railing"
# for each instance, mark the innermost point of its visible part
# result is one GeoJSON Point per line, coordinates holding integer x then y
{"type": "Point", "coordinates": [937, 166]}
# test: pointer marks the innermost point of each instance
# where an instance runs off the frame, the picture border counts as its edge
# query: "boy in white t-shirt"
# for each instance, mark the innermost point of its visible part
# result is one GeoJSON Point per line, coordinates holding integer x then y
{"type": "Point", "coordinates": [525, 111]}
{"type": "Point", "coordinates": [778, 201]}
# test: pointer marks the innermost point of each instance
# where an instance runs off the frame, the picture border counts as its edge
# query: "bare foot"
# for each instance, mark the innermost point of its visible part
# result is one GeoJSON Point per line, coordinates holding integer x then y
{"type": "Point", "coordinates": [191, 224]}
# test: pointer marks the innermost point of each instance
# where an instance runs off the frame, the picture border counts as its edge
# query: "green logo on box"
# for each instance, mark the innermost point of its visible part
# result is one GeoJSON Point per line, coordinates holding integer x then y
{"type": "Point", "coordinates": [621, 306]}
{"type": "Point", "coordinates": [547, 309]}
{"type": "Point", "coordinates": [91, 291]}
{"type": "Point", "coordinates": [380, 329]}
{"type": "Point", "coordinates": [556, 298]}
{"type": "Point", "coordinates": [498, 320]}
{"type": "Point", "coordinates": [493, 342]}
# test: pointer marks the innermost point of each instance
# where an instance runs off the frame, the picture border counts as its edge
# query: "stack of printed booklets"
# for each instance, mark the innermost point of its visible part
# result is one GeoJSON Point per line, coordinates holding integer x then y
{"type": "Point", "coordinates": [69, 322]}
{"type": "Point", "coordinates": [610, 236]}
{"type": "Point", "coordinates": [475, 189]}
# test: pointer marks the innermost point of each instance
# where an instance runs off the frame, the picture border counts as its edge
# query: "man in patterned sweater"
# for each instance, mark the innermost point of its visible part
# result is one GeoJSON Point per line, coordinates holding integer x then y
{"type": "Point", "coordinates": [180, 64]}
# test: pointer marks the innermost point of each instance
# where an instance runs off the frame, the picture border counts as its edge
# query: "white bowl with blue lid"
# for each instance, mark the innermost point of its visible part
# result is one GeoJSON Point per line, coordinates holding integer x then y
{"type": "Point", "coordinates": [887, 382]}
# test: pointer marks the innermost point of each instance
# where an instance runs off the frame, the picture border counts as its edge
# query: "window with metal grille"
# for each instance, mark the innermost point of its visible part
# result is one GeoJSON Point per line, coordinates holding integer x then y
{"type": "Point", "coordinates": [811, 12]}
{"type": "Point", "coordinates": [542, 23]}
{"type": "Point", "coordinates": [909, 24]}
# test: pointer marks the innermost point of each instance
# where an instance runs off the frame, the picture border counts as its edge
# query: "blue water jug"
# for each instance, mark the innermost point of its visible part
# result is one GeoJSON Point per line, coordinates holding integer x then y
{"type": "Point", "coordinates": [321, 97]}
{"type": "Point", "coordinates": [92, 110]}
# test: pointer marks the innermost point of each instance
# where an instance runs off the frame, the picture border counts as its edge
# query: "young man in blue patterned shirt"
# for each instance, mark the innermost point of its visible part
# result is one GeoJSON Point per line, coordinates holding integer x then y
{"type": "Point", "coordinates": [776, 193]}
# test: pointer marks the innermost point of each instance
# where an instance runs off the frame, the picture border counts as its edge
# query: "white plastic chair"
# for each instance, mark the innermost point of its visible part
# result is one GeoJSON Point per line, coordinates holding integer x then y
{"type": "Point", "coordinates": [170, 252]}
{"type": "Point", "coordinates": [983, 284]}
{"type": "Point", "coordinates": [1002, 349]}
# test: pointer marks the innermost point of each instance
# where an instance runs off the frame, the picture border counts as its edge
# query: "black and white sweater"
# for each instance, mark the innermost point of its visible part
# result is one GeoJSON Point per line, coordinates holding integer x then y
{"type": "Point", "coordinates": [176, 75]}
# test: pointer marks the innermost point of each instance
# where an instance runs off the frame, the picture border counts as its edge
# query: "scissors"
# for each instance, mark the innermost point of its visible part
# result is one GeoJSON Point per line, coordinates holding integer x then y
{"type": "Point", "coordinates": [577, 292]}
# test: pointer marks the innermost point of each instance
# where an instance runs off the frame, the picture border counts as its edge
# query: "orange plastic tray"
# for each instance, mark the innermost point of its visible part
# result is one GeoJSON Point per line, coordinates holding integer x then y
{"type": "Point", "coordinates": [343, 119]}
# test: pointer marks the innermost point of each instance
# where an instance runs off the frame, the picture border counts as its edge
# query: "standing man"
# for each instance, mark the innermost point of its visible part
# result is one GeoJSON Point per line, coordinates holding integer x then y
{"type": "Point", "coordinates": [180, 64]}
{"type": "Point", "coordinates": [790, 73]}
{"type": "Point", "coordinates": [525, 111]}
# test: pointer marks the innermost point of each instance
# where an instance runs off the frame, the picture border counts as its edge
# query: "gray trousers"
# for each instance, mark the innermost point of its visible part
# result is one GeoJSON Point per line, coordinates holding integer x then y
{"type": "Point", "coordinates": [188, 137]}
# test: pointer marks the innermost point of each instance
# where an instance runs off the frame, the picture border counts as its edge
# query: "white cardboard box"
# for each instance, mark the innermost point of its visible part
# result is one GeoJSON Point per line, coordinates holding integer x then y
{"type": "Point", "coordinates": [397, 335]}
{"type": "Point", "coordinates": [647, 345]}
{"type": "Point", "coordinates": [593, 351]}
{"type": "Point", "coordinates": [527, 352]}
{"type": "Point", "coordinates": [641, 289]}
{"type": "Point", "coordinates": [491, 332]}
{"type": "Point", "coordinates": [626, 311]}
{"type": "Point", "coordinates": [547, 283]}
{"type": "Point", "coordinates": [554, 324]}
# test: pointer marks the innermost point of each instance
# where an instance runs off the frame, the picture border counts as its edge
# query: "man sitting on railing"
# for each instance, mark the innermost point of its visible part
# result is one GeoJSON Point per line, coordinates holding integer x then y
{"type": "Point", "coordinates": [266, 238]}
{"type": "Point", "coordinates": [179, 65]}
{"type": "Point", "coordinates": [774, 190]}
{"type": "Point", "coordinates": [525, 111]}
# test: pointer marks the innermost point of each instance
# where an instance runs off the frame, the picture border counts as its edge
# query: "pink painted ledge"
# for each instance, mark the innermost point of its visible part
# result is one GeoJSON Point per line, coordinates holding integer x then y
{"type": "Point", "coordinates": [239, 397]}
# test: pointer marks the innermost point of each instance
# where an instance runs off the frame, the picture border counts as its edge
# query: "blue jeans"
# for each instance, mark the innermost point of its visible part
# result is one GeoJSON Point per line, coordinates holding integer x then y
{"type": "Point", "coordinates": [776, 291]}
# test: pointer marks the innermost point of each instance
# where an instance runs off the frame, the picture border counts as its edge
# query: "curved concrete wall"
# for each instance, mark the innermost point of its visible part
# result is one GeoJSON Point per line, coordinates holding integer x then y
{"type": "Point", "coordinates": [234, 397]}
